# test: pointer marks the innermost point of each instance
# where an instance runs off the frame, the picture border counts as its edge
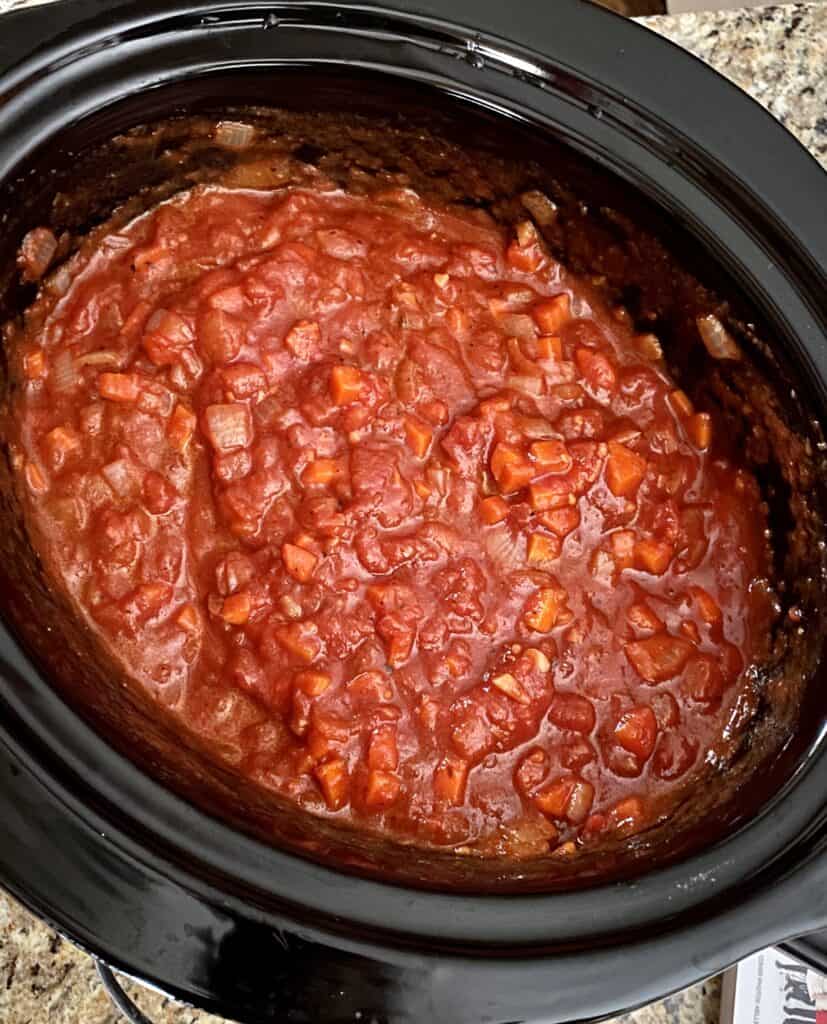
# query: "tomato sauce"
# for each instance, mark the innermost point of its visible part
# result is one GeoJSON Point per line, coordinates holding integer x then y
{"type": "Point", "coordinates": [391, 512]}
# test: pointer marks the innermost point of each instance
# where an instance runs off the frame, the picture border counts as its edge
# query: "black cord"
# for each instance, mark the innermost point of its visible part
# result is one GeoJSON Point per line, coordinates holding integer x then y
{"type": "Point", "coordinates": [119, 997]}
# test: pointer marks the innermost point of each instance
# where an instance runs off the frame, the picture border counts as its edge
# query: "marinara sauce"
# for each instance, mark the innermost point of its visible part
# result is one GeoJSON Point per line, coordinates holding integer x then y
{"type": "Point", "coordinates": [391, 512]}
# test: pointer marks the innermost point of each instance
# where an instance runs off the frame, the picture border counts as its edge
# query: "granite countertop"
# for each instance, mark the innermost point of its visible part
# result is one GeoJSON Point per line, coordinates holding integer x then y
{"type": "Point", "coordinates": [779, 55]}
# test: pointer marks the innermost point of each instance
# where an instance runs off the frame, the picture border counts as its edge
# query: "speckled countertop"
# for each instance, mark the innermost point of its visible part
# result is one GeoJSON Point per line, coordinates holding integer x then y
{"type": "Point", "coordinates": [779, 55]}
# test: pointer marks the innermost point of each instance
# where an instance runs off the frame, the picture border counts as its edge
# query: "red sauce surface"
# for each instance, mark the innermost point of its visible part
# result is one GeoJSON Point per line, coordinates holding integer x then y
{"type": "Point", "coordinates": [393, 514]}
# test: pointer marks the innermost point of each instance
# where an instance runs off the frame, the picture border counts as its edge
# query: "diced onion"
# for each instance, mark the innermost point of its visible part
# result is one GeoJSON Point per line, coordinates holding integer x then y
{"type": "Point", "coordinates": [64, 374]}
{"type": "Point", "coordinates": [36, 253]}
{"type": "Point", "coordinates": [526, 385]}
{"type": "Point", "coordinates": [719, 342]}
{"type": "Point", "coordinates": [521, 325]}
{"type": "Point", "coordinates": [504, 549]}
{"type": "Point", "coordinates": [234, 134]}
{"type": "Point", "coordinates": [534, 428]}
{"type": "Point", "coordinates": [120, 476]}
{"type": "Point", "coordinates": [103, 357]}
{"type": "Point", "coordinates": [541, 208]}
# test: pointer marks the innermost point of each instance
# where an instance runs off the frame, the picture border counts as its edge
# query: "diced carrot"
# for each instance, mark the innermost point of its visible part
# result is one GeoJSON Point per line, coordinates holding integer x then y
{"type": "Point", "coordinates": [493, 510]}
{"type": "Point", "coordinates": [561, 521]}
{"type": "Point", "coordinates": [623, 549]}
{"type": "Point", "coordinates": [551, 457]}
{"type": "Point", "coordinates": [490, 407]}
{"type": "Point", "coordinates": [553, 799]}
{"type": "Point", "coordinates": [35, 478]}
{"type": "Point", "coordinates": [550, 494]}
{"type": "Point", "coordinates": [450, 778]}
{"type": "Point", "coordinates": [691, 631]}
{"type": "Point", "coordinates": [383, 752]}
{"type": "Point", "coordinates": [542, 609]}
{"type": "Point", "coordinates": [435, 412]}
{"type": "Point", "coordinates": [181, 427]}
{"type": "Point", "coordinates": [228, 426]}
{"type": "Point", "coordinates": [641, 616]}
{"type": "Point", "coordinates": [681, 402]}
{"type": "Point", "coordinates": [300, 639]}
{"type": "Point", "coordinates": [707, 606]}
{"type": "Point", "coordinates": [188, 618]}
{"type": "Point", "coordinates": [511, 468]}
{"type": "Point", "coordinates": [346, 384]}
{"type": "Point", "coordinates": [653, 556]}
{"type": "Point", "coordinates": [382, 789]}
{"type": "Point", "coordinates": [304, 339]}
{"type": "Point", "coordinates": [699, 428]}
{"type": "Point", "coordinates": [299, 562]}
{"type": "Point", "coordinates": [312, 683]}
{"type": "Point", "coordinates": [511, 687]}
{"type": "Point", "coordinates": [660, 657]}
{"type": "Point", "coordinates": [595, 367]}
{"type": "Point", "coordinates": [322, 471]}
{"type": "Point", "coordinates": [542, 548]}
{"type": "Point", "coordinates": [418, 436]}
{"type": "Point", "coordinates": [119, 387]}
{"type": "Point", "coordinates": [637, 730]}
{"type": "Point", "coordinates": [552, 314]}
{"type": "Point", "coordinates": [625, 470]}
{"type": "Point", "coordinates": [34, 364]}
{"type": "Point", "coordinates": [549, 346]}
{"type": "Point", "coordinates": [333, 778]}
{"type": "Point", "coordinates": [61, 441]}
{"type": "Point", "coordinates": [236, 609]}
{"type": "Point", "coordinates": [398, 647]}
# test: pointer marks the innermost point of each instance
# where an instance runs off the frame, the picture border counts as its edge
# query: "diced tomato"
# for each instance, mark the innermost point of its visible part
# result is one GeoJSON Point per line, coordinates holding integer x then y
{"type": "Point", "coordinates": [298, 562]}
{"type": "Point", "coordinates": [625, 470]}
{"type": "Point", "coordinates": [548, 347]}
{"type": "Point", "coordinates": [383, 753]}
{"type": "Point", "coordinates": [642, 617]}
{"type": "Point", "coordinates": [699, 428]}
{"type": "Point", "coordinates": [322, 471]}
{"type": "Point", "coordinates": [418, 436]}
{"type": "Point", "coordinates": [708, 608]}
{"type": "Point", "coordinates": [243, 380]}
{"type": "Point", "coordinates": [60, 444]}
{"type": "Point", "coordinates": [314, 684]}
{"type": "Point", "coordinates": [691, 631]}
{"type": "Point", "coordinates": [304, 340]}
{"type": "Point", "coordinates": [236, 609]}
{"type": "Point", "coordinates": [573, 712]}
{"type": "Point", "coordinates": [532, 770]}
{"type": "Point", "coordinates": [551, 457]}
{"type": "Point", "coordinates": [300, 639]}
{"type": "Point", "coordinates": [228, 426]}
{"type": "Point", "coordinates": [181, 427]}
{"type": "Point", "coordinates": [382, 790]}
{"type": "Point", "coordinates": [119, 387]}
{"type": "Point", "coordinates": [659, 658]}
{"type": "Point", "coordinates": [189, 619]}
{"type": "Point", "coordinates": [543, 608]}
{"type": "Point", "coordinates": [653, 556]}
{"type": "Point", "coordinates": [334, 780]}
{"type": "Point", "coordinates": [566, 798]}
{"type": "Point", "coordinates": [627, 816]}
{"type": "Point", "coordinates": [159, 494]}
{"type": "Point", "coordinates": [34, 364]}
{"type": "Point", "coordinates": [346, 384]}
{"type": "Point", "coordinates": [596, 369]}
{"type": "Point", "coordinates": [550, 494]}
{"type": "Point", "coordinates": [542, 548]}
{"type": "Point", "coordinates": [552, 314]}
{"type": "Point", "coordinates": [681, 403]}
{"type": "Point", "coordinates": [561, 520]}
{"type": "Point", "coordinates": [526, 258]}
{"type": "Point", "coordinates": [450, 778]}
{"type": "Point", "coordinates": [493, 510]}
{"type": "Point", "coordinates": [637, 731]}
{"type": "Point", "coordinates": [703, 680]}
{"type": "Point", "coordinates": [220, 336]}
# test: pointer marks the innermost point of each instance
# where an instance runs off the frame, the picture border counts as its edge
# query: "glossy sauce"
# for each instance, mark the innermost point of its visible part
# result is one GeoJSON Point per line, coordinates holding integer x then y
{"type": "Point", "coordinates": [394, 515]}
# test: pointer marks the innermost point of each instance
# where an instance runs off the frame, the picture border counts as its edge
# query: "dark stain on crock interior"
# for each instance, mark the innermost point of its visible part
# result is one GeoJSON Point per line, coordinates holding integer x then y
{"type": "Point", "coordinates": [600, 230]}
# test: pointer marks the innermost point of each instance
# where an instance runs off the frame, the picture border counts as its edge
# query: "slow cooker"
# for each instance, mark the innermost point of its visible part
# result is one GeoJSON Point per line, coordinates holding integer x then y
{"type": "Point", "coordinates": [128, 847]}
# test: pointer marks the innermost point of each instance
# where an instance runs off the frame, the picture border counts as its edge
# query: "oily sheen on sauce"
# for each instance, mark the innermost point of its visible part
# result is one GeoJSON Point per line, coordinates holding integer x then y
{"type": "Point", "coordinates": [390, 511]}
